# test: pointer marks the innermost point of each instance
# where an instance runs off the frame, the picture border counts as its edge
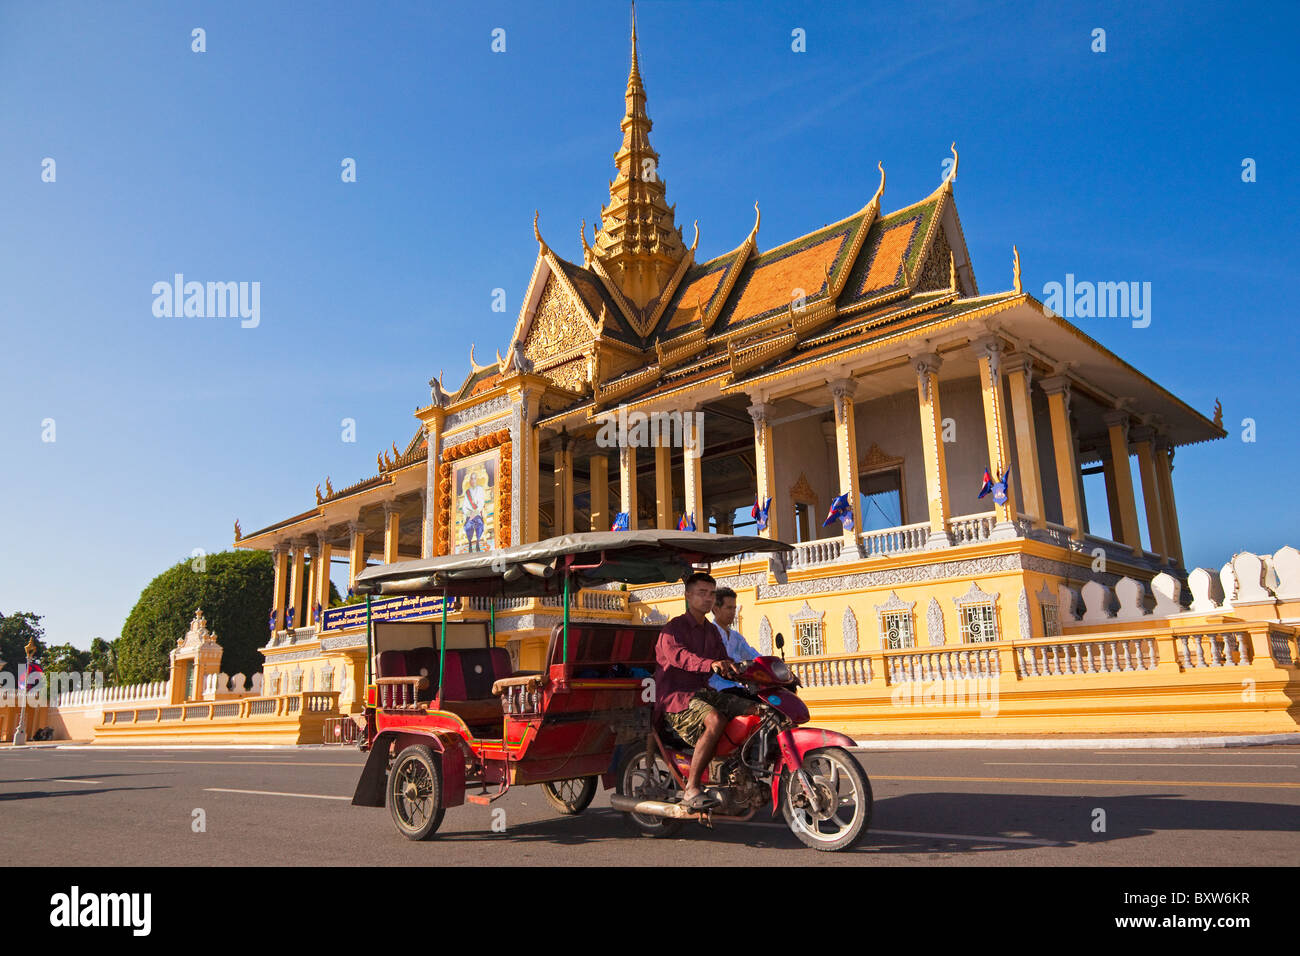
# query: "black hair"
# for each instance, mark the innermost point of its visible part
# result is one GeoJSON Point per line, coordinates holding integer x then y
{"type": "Point", "coordinates": [722, 594]}
{"type": "Point", "coordinates": [697, 577]}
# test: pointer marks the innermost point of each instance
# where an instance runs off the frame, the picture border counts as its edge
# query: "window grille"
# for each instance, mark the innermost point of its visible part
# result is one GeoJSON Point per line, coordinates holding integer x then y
{"type": "Point", "coordinates": [978, 623]}
{"type": "Point", "coordinates": [897, 626]}
{"type": "Point", "coordinates": [808, 638]}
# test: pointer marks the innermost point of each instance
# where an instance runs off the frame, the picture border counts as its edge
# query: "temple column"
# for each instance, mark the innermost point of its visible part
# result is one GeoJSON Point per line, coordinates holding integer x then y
{"type": "Point", "coordinates": [295, 584]}
{"type": "Point", "coordinates": [324, 556]}
{"type": "Point", "coordinates": [664, 488]}
{"type": "Point", "coordinates": [692, 452]}
{"type": "Point", "coordinates": [627, 484]}
{"type": "Point", "coordinates": [765, 466]}
{"type": "Point", "coordinates": [1164, 465]}
{"type": "Point", "coordinates": [936, 468]}
{"type": "Point", "coordinates": [989, 351]}
{"type": "Point", "coordinates": [846, 460]}
{"type": "Point", "coordinates": [1142, 445]}
{"type": "Point", "coordinates": [1057, 389]}
{"type": "Point", "coordinates": [1122, 476]}
{"type": "Point", "coordinates": [432, 417]}
{"type": "Point", "coordinates": [524, 391]}
{"type": "Point", "coordinates": [356, 553]}
{"type": "Point", "coordinates": [309, 599]}
{"type": "Point", "coordinates": [564, 484]}
{"type": "Point", "coordinates": [392, 527]}
{"type": "Point", "coordinates": [600, 516]}
{"type": "Point", "coordinates": [280, 561]}
{"type": "Point", "coordinates": [1020, 381]}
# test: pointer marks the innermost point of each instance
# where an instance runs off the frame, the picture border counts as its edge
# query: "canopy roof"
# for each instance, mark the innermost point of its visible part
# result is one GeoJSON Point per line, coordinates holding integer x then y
{"type": "Point", "coordinates": [593, 558]}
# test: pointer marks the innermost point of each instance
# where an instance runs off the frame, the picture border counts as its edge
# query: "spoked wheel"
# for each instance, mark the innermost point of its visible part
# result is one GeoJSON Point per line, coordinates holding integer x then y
{"type": "Point", "coordinates": [648, 778]}
{"type": "Point", "coordinates": [840, 810]}
{"type": "Point", "coordinates": [415, 793]}
{"type": "Point", "coordinates": [570, 796]}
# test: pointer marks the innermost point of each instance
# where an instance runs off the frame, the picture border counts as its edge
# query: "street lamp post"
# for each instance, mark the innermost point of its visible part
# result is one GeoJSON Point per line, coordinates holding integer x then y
{"type": "Point", "coordinates": [20, 735]}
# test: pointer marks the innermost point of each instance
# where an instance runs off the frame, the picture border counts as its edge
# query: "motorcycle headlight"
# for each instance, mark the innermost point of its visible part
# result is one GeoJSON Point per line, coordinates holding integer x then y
{"type": "Point", "coordinates": [781, 672]}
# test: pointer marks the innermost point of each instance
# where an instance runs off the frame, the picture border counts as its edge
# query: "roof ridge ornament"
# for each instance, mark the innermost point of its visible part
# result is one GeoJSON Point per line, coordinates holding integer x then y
{"type": "Point", "coordinates": [952, 173]}
{"type": "Point", "coordinates": [1015, 274]}
{"type": "Point", "coordinates": [880, 190]}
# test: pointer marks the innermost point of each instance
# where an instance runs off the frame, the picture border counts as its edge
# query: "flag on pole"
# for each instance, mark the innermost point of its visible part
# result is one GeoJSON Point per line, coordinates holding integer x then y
{"type": "Point", "coordinates": [760, 514]}
{"type": "Point", "coordinates": [987, 486]}
{"type": "Point", "coordinates": [620, 522]}
{"type": "Point", "coordinates": [842, 511]}
{"type": "Point", "coordinates": [687, 523]}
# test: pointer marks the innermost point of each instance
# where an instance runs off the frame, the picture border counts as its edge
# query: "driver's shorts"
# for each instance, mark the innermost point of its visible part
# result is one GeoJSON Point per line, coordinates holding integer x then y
{"type": "Point", "coordinates": [689, 723]}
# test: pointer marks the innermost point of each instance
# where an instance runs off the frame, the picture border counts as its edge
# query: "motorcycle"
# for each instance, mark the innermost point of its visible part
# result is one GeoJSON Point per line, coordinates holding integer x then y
{"type": "Point", "coordinates": [762, 758]}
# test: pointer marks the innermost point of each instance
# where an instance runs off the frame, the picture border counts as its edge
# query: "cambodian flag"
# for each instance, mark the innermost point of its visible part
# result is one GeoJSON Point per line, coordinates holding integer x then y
{"type": "Point", "coordinates": [842, 511]}
{"type": "Point", "coordinates": [987, 486]}
{"type": "Point", "coordinates": [29, 675]}
{"type": "Point", "coordinates": [760, 514]}
{"type": "Point", "coordinates": [1000, 489]}
{"type": "Point", "coordinates": [271, 621]}
{"type": "Point", "coordinates": [620, 522]}
{"type": "Point", "coordinates": [687, 523]}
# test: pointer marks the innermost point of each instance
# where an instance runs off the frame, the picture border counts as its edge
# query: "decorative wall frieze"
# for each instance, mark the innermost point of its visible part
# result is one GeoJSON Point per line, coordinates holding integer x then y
{"type": "Point", "coordinates": [498, 403]}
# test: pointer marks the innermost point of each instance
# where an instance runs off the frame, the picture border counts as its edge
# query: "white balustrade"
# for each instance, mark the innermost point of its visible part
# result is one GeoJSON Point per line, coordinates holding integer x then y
{"type": "Point", "coordinates": [970, 529]}
{"type": "Point", "coordinates": [957, 663]}
{"type": "Point", "coordinates": [1213, 649]}
{"type": "Point", "coordinates": [1086, 657]}
{"type": "Point", "coordinates": [901, 540]}
{"type": "Point", "coordinates": [832, 671]}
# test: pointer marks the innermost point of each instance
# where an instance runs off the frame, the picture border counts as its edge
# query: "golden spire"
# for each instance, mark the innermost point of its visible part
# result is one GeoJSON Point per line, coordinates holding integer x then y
{"type": "Point", "coordinates": [638, 241]}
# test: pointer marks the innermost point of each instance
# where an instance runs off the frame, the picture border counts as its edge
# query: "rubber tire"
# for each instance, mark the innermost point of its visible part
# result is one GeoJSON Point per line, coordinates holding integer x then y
{"type": "Point", "coordinates": [579, 803]}
{"type": "Point", "coordinates": [664, 827]}
{"type": "Point", "coordinates": [861, 783]}
{"type": "Point", "coordinates": [421, 754]}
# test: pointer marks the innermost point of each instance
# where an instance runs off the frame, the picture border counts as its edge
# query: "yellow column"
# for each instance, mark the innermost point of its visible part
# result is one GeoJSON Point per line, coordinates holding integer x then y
{"type": "Point", "coordinates": [324, 554]}
{"type": "Point", "coordinates": [1020, 381]}
{"type": "Point", "coordinates": [525, 391]}
{"type": "Point", "coordinates": [563, 485]}
{"type": "Point", "coordinates": [313, 586]}
{"type": "Point", "coordinates": [1164, 475]}
{"type": "Point", "coordinates": [664, 488]}
{"type": "Point", "coordinates": [765, 466]}
{"type": "Point", "coordinates": [989, 350]}
{"type": "Point", "coordinates": [356, 553]}
{"type": "Point", "coordinates": [280, 559]}
{"type": "Point", "coordinates": [392, 519]}
{"type": "Point", "coordinates": [600, 516]}
{"type": "Point", "coordinates": [295, 584]}
{"type": "Point", "coordinates": [846, 458]}
{"type": "Point", "coordinates": [1142, 445]}
{"type": "Point", "coordinates": [1057, 389]}
{"type": "Point", "coordinates": [692, 451]}
{"type": "Point", "coordinates": [627, 484]}
{"type": "Point", "coordinates": [432, 417]}
{"type": "Point", "coordinates": [932, 450]}
{"type": "Point", "coordinates": [1117, 429]}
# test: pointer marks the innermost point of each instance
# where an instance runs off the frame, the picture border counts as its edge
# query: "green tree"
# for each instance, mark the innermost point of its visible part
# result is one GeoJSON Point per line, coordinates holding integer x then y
{"type": "Point", "coordinates": [64, 658]}
{"type": "Point", "coordinates": [103, 658]}
{"type": "Point", "coordinates": [234, 591]}
{"type": "Point", "coordinates": [15, 631]}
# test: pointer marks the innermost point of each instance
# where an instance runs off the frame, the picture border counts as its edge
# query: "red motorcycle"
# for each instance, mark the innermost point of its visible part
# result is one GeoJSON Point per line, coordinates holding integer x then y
{"type": "Point", "coordinates": [805, 772]}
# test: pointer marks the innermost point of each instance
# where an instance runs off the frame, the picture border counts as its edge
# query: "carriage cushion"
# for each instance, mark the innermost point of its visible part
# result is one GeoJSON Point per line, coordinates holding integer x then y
{"type": "Point", "coordinates": [424, 660]}
{"type": "Point", "coordinates": [470, 673]}
{"type": "Point", "coordinates": [599, 646]}
{"type": "Point", "coordinates": [392, 664]}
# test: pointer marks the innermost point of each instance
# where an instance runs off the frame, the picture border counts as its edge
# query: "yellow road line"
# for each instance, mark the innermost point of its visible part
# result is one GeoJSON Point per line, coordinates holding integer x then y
{"type": "Point", "coordinates": [1111, 783]}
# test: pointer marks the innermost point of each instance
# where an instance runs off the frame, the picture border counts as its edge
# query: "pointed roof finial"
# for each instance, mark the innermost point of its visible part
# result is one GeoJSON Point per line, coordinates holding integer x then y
{"type": "Point", "coordinates": [1015, 273]}
{"type": "Point", "coordinates": [952, 173]}
{"type": "Point", "coordinates": [880, 190]}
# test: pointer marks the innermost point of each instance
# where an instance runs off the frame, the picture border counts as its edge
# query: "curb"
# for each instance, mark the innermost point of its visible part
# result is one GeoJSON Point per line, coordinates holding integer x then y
{"type": "Point", "coordinates": [1083, 743]}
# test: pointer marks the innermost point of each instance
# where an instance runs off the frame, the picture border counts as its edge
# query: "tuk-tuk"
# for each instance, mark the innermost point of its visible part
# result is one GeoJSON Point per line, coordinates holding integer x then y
{"type": "Point", "coordinates": [449, 720]}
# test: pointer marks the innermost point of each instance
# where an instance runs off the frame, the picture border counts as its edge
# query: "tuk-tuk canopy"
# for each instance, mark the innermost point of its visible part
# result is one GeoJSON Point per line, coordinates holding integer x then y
{"type": "Point", "coordinates": [590, 559]}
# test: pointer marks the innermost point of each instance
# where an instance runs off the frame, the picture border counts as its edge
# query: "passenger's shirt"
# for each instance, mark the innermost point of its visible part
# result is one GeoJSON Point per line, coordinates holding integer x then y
{"type": "Point", "coordinates": [685, 653]}
{"type": "Point", "coordinates": [738, 649]}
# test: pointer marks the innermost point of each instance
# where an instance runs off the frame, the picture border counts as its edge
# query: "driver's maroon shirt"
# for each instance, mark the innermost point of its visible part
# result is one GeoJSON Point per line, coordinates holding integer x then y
{"type": "Point", "coordinates": [685, 652]}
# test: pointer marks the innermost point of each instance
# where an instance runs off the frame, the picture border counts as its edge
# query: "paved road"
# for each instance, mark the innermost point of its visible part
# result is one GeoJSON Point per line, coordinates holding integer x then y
{"type": "Point", "coordinates": [289, 806]}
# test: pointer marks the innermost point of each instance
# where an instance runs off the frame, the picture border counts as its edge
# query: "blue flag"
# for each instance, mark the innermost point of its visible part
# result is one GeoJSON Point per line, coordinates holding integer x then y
{"type": "Point", "coordinates": [987, 486]}
{"type": "Point", "coordinates": [760, 514]}
{"type": "Point", "coordinates": [620, 522]}
{"type": "Point", "coordinates": [687, 523]}
{"type": "Point", "coordinates": [1000, 489]}
{"type": "Point", "coordinates": [840, 511]}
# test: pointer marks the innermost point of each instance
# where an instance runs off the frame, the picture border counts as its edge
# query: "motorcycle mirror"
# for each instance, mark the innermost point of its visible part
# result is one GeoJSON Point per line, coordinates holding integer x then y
{"type": "Point", "coordinates": [780, 644]}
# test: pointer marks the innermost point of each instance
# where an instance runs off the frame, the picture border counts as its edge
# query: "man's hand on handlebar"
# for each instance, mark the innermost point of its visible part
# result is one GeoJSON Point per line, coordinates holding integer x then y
{"type": "Point", "coordinates": [727, 669]}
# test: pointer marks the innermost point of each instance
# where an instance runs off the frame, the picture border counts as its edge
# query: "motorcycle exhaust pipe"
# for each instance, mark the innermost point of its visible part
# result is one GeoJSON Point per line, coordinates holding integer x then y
{"type": "Point", "coordinates": [656, 808]}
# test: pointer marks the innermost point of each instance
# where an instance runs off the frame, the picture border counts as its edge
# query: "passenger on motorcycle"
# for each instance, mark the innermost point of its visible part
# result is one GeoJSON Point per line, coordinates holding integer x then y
{"type": "Point", "coordinates": [738, 649]}
{"type": "Point", "coordinates": [690, 649]}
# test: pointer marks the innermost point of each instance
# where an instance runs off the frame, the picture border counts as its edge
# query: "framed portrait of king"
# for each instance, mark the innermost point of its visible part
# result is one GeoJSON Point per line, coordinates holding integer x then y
{"type": "Point", "coordinates": [475, 484]}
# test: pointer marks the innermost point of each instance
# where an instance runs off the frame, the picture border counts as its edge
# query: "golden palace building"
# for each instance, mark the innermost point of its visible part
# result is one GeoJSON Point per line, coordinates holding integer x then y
{"type": "Point", "coordinates": [864, 359]}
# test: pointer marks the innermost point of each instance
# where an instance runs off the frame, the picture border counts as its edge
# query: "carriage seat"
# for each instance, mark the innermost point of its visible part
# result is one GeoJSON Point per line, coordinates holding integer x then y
{"type": "Point", "coordinates": [467, 683]}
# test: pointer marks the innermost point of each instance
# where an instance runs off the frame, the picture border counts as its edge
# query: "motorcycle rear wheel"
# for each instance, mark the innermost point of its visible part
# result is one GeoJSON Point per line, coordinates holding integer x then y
{"type": "Point", "coordinates": [570, 796]}
{"type": "Point", "coordinates": [640, 777]}
{"type": "Point", "coordinates": [845, 794]}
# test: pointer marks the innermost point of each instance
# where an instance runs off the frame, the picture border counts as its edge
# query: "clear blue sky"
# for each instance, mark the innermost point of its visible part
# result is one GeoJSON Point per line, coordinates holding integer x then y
{"type": "Point", "coordinates": [1123, 165]}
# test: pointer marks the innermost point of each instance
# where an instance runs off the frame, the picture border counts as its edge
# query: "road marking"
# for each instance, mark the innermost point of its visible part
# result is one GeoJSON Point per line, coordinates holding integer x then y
{"type": "Point", "coordinates": [248, 763]}
{"type": "Point", "coordinates": [1247, 752]}
{"type": "Point", "coordinates": [1111, 783]}
{"type": "Point", "coordinates": [76, 781]}
{"type": "Point", "coordinates": [1066, 763]}
{"type": "Point", "coordinates": [276, 793]}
